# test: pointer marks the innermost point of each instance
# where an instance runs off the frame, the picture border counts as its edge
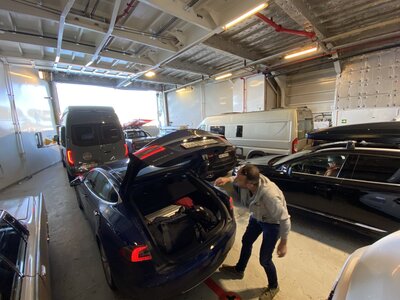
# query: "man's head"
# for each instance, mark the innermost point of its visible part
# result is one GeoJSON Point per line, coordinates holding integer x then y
{"type": "Point", "coordinates": [248, 177]}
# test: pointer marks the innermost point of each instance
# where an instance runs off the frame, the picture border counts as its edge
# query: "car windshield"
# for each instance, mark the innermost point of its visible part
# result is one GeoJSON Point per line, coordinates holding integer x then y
{"type": "Point", "coordinates": [135, 134]}
{"type": "Point", "coordinates": [290, 157]}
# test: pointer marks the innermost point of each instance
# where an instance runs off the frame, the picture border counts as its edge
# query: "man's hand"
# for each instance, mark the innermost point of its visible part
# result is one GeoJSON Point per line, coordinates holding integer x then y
{"type": "Point", "coordinates": [222, 181]}
{"type": "Point", "coordinates": [282, 248]}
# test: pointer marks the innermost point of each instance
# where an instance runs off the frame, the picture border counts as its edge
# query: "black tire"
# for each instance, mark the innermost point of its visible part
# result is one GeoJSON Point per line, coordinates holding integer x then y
{"type": "Point", "coordinates": [64, 164]}
{"type": "Point", "coordinates": [70, 177]}
{"type": "Point", "coordinates": [106, 267]}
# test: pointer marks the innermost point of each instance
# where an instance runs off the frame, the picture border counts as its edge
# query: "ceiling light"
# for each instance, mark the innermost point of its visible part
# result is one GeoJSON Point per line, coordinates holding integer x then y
{"type": "Point", "coordinates": [41, 75]}
{"type": "Point", "coordinates": [57, 59]}
{"type": "Point", "coordinates": [223, 76]}
{"type": "Point", "coordinates": [128, 83]}
{"type": "Point", "coordinates": [89, 63]}
{"type": "Point", "coordinates": [301, 53]}
{"type": "Point", "coordinates": [181, 90]}
{"type": "Point", "coordinates": [246, 15]}
{"type": "Point", "coordinates": [150, 74]}
{"type": "Point", "coordinates": [21, 75]}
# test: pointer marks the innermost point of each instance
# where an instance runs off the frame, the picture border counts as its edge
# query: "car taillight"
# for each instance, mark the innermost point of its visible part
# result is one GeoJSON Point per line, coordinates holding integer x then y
{"type": "Point", "coordinates": [70, 158]}
{"type": "Point", "coordinates": [136, 253]}
{"type": "Point", "coordinates": [295, 143]}
{"type": "Point", "coordinates": [149, 151]}
{"type": "Point", "coordinates": [126, 150]}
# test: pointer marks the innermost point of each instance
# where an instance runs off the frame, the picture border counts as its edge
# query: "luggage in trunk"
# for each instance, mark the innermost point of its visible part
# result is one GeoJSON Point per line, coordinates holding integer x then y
{"type": "Point", "coordinates": [186, 226]}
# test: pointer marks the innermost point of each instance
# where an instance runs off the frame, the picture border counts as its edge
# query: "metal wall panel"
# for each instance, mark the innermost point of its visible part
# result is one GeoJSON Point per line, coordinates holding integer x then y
{"type": "Point", "coordinates": [218, 98]}
{"type": "Point", "coordinates": [369, 82]}
{"type": "Point", "coordinates": [34, 111]}
{"type": "Point", "coordinates": [255, 93]}
{"type": "Point", "coordinates": [316, 90]}
{"type": "Point", "coordinates": [184, 107]}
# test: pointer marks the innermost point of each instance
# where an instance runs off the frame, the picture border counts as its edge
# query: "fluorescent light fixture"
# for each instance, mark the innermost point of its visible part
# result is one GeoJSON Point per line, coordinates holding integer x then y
{"type": "Point", "coordinates": [245, 15]}
{"type": "Point", "coordinates": [128, 83]}
{"type": "Point", "coordinates": [41, 75]}
{"type": "Point", "coordinates": [89, 63]}
{"type": "Point", "coordinates": [223, 76]}
{"type": "Point", "coordinates": [181, 90]}
{"type": "Point", "coordinates": [57, 59]}
{"type": "Point", "coordinates": [150, 74]}
{"type": "Point", "coordinates": [307, 51]}
{"type": "Point", "coordinates": [21, 75]}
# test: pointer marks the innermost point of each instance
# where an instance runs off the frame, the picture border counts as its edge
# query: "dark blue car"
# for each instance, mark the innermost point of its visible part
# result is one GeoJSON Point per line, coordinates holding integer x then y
{"type": "Point", "coordinates": [160, 227]}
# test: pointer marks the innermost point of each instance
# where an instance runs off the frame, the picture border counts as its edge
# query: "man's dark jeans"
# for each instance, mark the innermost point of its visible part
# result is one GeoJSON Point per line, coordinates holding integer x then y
{"type": "Point", "coordinates": [270, 237]}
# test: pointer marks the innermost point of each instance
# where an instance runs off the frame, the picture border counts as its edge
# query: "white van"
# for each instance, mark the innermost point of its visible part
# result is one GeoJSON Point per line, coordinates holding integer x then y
{"type": "Point", "coordinates": [277, 131]}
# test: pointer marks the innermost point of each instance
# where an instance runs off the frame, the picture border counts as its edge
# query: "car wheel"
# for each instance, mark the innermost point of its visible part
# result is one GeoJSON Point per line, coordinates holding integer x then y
{"type": "Point", "coordinates": [70, 177]}
{"type": "Point", "coordinates": [106, 267]}
{"type": "Point", "coordinates": [64, 164]}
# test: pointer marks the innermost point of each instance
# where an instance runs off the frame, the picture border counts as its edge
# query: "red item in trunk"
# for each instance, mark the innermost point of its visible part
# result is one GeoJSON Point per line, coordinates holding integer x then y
{"type": "Point", "coordinates": [185, 201]}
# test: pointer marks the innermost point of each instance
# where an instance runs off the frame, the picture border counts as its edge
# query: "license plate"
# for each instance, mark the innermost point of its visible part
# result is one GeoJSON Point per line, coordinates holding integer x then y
{"type": "Point", "coordinates": [223, 155]}
{"type": "Point", "coordinates": [200, 143]}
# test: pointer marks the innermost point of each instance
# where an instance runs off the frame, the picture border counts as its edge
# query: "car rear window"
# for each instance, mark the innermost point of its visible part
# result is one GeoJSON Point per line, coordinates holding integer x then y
{"type": "Point", "coordinates": [303, 127]}
{"type": "Point", "coordinates": [95, 134]}
{"type": "Point", "coordinates": [110, 133]}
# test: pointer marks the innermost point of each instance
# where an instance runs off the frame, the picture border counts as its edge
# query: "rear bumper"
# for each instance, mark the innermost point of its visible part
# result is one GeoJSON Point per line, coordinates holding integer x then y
{"type": "Point", "coordinates": [178, 279]}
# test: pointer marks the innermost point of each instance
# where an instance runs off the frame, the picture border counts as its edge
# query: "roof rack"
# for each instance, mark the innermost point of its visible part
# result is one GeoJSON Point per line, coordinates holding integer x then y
{"type": "Point", "coordinates": [350, 145]}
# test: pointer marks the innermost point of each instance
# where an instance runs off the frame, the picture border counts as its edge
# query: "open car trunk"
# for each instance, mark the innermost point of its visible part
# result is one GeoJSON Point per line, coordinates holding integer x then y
{"type": "Point", "coordinates": [180, 212]}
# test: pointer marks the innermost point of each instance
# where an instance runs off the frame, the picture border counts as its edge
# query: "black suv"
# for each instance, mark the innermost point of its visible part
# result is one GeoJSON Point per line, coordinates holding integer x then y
{"type": "Point", "coordinates": [355, 184]}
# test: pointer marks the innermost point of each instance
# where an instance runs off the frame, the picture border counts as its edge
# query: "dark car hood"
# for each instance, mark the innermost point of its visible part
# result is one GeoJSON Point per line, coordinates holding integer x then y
{"type": "Point", "coordinates": [183, 148]}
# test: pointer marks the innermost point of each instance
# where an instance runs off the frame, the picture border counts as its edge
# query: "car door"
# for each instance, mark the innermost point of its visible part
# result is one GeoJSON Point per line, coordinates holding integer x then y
{"type": "Point", "coordinates": [308, 183]}
{"type": "Point", "coordinates": [85, 190]}
{"type": "Point", "coordinates": [370, 191]}
{"type": "Point", "coordinates": [102, 195]}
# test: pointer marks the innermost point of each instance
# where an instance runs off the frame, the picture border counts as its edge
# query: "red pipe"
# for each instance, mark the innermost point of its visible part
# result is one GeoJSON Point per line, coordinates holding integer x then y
{"type": "Point", "coordinates": [279, 28]}
{"type": "Point", "coordinates": [126, 10]}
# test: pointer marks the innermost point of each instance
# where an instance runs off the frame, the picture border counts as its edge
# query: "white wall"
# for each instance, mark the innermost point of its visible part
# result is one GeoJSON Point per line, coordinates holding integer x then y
{"type": "Point", "coordinates": [34, 111]}
{"type": "Point", "coordinates": [316, 90]}
{"type": "Point", "coordinates": [191, 105]}
{"type": "Point", "coordinates": [369, 88]}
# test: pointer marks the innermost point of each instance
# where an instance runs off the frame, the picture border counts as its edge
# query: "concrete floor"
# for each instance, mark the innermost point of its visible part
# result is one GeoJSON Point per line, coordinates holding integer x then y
{"type": "Point", "coordinates": [315, 255]}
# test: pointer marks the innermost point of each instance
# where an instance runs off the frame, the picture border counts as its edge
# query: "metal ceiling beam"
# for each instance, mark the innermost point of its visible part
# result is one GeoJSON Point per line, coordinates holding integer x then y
{"type": "Point", "coordinates": [225, 45]}
{"type": "Point", "coordinates": [177, 9]}
{"type": "Point", "coordinates": [300, 13]}
{"type": "Point", "coordinates": [61, 25]}
{"type": "Point", "coordinates": [394, 21]}
{"type": "Point", "coordinates": [163, 80]}
{"type": "Point", "coordinates": [100, 46]}
{"type": "Point", "coordinates": [70, 46]}
{"type": "Point", "coordinates": [189, 67]}
{"type": "Point", "coordinates": [41, 64]}
{"type": "Point", "coordinates": [74, 47]}
{"type": "Point", "coordinates": [85, 23]}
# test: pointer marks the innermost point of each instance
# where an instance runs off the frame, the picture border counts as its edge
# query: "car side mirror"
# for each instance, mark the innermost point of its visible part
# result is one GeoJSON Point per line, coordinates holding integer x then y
{"type": "Point", "coordinates": [77, 181]}
{"type": "Point", "coordinates": [56, 138]}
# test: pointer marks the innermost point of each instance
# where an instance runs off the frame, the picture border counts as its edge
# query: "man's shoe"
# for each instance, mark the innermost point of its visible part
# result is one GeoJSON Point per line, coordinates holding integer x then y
{"type": "Point", "coordinates": [232, 270]}
{"type": "Point", "coordinates": [269, 293]}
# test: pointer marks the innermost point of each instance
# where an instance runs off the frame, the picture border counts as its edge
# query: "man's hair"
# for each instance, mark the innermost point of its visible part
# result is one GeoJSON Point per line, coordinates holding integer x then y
{"type": "Point", "coordinates": [251, 172]}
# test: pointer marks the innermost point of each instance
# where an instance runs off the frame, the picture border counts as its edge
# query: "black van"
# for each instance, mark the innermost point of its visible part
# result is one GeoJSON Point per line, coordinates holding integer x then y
{"type": "Point", "coordinates": [90, 136]}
